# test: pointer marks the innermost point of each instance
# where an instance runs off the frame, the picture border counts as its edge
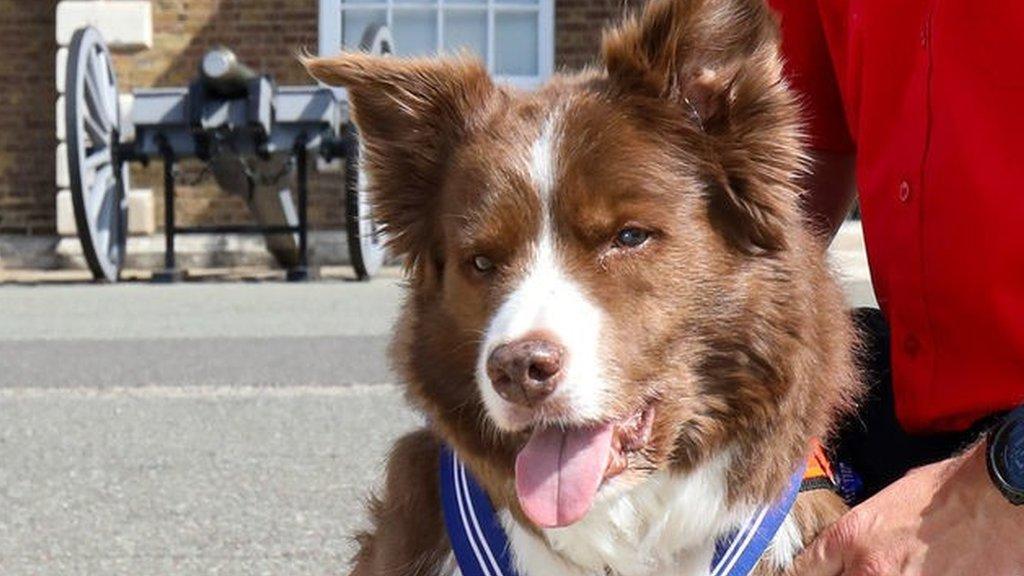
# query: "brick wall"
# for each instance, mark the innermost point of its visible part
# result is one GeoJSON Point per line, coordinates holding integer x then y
{"type": "Point", "coordinates": [27, 141]}
{"type": "Point", "coordinates": [578, 25]}
{"type": "Point", "coordinates": [264, 33]}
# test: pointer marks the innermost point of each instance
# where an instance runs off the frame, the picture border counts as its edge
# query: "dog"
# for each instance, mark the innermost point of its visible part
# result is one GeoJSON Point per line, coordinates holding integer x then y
{"type": "Point", "coordinates": [617, 315]}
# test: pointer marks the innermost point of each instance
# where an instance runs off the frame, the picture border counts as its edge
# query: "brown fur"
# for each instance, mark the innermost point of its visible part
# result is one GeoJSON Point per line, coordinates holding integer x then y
{"type": "Point", "coordinates": [728, 319]}
{"type": "Point", "coordinates": [409, 536]}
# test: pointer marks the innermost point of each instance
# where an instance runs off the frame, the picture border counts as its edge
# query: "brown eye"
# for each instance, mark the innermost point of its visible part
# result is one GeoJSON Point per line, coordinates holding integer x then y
{"type": "Point", "coordinates": [631, 238]}
{"type": "Point", "coordinates": [483, 264]}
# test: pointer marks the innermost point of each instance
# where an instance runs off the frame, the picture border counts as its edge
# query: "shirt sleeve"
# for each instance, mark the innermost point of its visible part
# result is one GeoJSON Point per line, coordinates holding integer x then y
{"type": "Point", "coordinates": [810, 70]}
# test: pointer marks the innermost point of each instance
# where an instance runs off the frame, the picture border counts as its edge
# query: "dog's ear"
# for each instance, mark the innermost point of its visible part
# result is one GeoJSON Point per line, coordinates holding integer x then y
{"type": "Point", "coordinates": [410, 114]}
{"type": "Point", "coordinates": [716, 63]}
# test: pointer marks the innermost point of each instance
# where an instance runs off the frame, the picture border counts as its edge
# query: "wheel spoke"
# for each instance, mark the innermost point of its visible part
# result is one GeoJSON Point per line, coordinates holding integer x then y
{"type": "Point", "coordinates": [95, 104]}
{"type": "Point", "coordinates": [101, 241]}
{"type": "Point", "coordinates": [96, 71]}
{"type": "Point", "coordinates": [107, 222]}
{"type": "Point", "coordinates": [97, 159]}
{"type": "Point", "coordinates": [104, 81]}
{"type": "Point", "coordinates": [98, 190]}
{"type": "Point", "coordinates": [114, 253]}
{"type": "Point", "coordinates": [368, 226]}
{"type": "Point", "coordinates": [97, 135]}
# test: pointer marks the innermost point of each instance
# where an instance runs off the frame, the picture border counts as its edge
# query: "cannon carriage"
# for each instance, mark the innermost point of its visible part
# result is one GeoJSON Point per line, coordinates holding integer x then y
{"type": "Point", "coordinates": [252, 136]}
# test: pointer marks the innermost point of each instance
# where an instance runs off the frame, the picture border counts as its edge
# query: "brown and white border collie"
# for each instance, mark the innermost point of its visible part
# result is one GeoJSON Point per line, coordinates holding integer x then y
{"type": "Point", "coordinates": [614, 267]}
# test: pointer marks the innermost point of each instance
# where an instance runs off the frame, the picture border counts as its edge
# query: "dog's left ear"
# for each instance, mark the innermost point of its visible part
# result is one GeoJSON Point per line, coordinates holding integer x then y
{"type": "Point", "coordinates": [716, 63]}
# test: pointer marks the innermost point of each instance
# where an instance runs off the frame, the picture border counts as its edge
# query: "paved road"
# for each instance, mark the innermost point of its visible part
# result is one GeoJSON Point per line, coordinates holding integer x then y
{"type": "Point", "coordinates": [203, 428]}
{"type": "Point", "coordinates": [191, 429]}
{"type": "Point", "coordinates": [168, 480]}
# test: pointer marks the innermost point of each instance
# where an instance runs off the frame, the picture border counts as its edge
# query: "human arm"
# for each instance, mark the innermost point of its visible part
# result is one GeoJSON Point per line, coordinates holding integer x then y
{"type": "Point", "coordinates": [830, 189]}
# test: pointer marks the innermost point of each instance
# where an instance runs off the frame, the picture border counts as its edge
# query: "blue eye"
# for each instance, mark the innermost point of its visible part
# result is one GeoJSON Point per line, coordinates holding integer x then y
{"type": "Point", "coordinates": [482, 264]}
{"type": "Point", "coordinates": [631, 237]}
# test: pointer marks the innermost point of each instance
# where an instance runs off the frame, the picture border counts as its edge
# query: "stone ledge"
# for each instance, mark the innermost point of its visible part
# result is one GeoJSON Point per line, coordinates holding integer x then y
{"type": "Point", "coordinates": [60, 125]}
{"type": "Point", "coordinates": [848, 254]}
{"type": "Point", "coordinates": [124, 24]}
{"type": "Point", "coordinates": [327, 248]}
{"type": "Point", "coordinates": [141, 213]}
{"type": "Point", "coordinates": [61, 75]}
{"type": "Point", "coordinates": [63, 173]}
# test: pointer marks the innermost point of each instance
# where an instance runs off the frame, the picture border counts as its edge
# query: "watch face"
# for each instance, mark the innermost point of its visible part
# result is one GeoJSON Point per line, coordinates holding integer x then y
{"type": "Point", "coordinates": [1013, 455]}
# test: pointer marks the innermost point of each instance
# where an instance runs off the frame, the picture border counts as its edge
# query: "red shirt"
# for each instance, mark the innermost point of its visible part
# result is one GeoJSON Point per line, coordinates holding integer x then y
{"type": "Point", "coordinates": [930, 95]}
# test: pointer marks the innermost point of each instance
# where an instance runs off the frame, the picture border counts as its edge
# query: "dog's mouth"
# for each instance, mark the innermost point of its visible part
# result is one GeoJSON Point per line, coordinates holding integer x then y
{"type": "Point", "coordinates": [560, 470]}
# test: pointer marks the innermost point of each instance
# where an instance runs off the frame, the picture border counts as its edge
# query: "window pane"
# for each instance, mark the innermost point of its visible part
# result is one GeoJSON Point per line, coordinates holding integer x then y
{"type": "Point", "coordinates": [354, 23]}
{"type": "Point", "coordinates": [362, 2]}
{"type": "Point", "coordinates": [415, 32]}
{"type": "Point", "coordinates": [466, 29]}
{"type": "Point", "coordinates": [534, 2]}
{"type": "Point", "coordinates": [516, 44]}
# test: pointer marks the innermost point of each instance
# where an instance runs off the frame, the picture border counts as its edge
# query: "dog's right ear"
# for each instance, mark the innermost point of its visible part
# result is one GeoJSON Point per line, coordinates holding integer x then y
{"type": "Point", "coordinates": [410, 114]}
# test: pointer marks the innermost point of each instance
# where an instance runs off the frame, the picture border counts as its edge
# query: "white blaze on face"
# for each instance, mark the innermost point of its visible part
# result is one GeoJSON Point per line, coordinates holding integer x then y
{"type": "Point", "coordinates": [548, 300]}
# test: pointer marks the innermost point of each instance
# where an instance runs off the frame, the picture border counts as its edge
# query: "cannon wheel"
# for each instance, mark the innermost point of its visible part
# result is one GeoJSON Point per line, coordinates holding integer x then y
{"type": "Point", "coordinates": [365, 242]}
{"type": "Point", "coordinates": [96, 175]}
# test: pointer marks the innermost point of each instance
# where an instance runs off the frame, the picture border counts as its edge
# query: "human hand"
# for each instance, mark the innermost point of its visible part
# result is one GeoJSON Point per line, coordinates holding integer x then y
{"type": "Point", "coordinates": [945, 519]}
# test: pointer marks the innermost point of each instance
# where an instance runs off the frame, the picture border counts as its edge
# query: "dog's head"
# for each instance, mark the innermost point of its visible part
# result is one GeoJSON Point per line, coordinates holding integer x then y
{"type": "Point", "coordinates": [601, 271]}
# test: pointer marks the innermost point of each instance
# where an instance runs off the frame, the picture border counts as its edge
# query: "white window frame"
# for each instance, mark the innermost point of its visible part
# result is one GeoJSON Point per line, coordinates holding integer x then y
{"type": "Point", "coordinates": [331, 30]}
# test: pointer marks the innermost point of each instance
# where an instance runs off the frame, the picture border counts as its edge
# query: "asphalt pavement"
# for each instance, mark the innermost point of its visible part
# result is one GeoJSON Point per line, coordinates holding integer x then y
{"type": "Point", "coordinates": [200, 428]}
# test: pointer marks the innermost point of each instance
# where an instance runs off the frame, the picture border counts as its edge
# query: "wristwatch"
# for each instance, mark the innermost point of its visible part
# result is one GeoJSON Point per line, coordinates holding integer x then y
{"type": "Point", "coordinates": [1006, 456]}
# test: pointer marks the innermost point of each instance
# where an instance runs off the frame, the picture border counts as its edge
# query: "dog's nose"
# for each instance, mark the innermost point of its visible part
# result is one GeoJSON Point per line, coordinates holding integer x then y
{"type": "Point", "coordinates": [525, 371]}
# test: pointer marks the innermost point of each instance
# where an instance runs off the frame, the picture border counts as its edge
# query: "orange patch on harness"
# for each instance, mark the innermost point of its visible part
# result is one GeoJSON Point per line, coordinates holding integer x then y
{"type": "Point", "coordinates": [818, 465]}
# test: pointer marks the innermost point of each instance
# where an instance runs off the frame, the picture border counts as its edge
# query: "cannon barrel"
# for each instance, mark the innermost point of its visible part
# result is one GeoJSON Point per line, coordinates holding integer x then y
{"type": "Point", "coordinates": [222, 74]}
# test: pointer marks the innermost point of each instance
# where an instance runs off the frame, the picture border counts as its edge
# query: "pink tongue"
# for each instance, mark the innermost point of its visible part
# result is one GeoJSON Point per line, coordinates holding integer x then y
{"type": "Point", "coordinates": [558, 473]}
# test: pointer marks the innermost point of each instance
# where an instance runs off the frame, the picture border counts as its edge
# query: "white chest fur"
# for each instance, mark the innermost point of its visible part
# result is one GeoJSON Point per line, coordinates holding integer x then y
{"type": "Point", "coordinates": [666, 525]}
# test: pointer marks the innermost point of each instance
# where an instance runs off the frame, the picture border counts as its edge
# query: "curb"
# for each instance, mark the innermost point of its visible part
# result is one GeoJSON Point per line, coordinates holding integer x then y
{"type": "Point", "coordinates": [326, 248]}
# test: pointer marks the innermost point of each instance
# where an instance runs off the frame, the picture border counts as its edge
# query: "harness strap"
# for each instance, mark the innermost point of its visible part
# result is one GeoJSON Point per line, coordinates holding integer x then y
{"type": "Point", "coordinates": [819, 483]}
{"type": "Point", "coordinates": [477, 538]}
{"type": "Point", "coordinates": [481, 546]}
{"type": "Point", "coordinates": [738, 553]}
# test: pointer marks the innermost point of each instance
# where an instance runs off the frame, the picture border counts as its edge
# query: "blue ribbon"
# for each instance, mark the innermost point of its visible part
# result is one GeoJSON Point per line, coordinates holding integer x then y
{"type": "Point", "coordinates": [481, 547]}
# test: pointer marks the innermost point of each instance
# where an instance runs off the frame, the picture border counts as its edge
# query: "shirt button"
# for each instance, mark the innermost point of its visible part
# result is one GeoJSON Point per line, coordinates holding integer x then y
{"type": "Point", "coordinates": [911, 345]}
{"type": "Point", "coordinates": [904, 191]}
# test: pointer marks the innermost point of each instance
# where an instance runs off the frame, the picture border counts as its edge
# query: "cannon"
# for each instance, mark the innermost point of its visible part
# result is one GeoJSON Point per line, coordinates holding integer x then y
{"type": "Point", "coordinates": [251, 135]}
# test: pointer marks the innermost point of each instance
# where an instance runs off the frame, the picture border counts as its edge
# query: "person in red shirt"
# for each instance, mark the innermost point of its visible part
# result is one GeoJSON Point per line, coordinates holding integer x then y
{"type": "Point", "coordinates": [918, 105]}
